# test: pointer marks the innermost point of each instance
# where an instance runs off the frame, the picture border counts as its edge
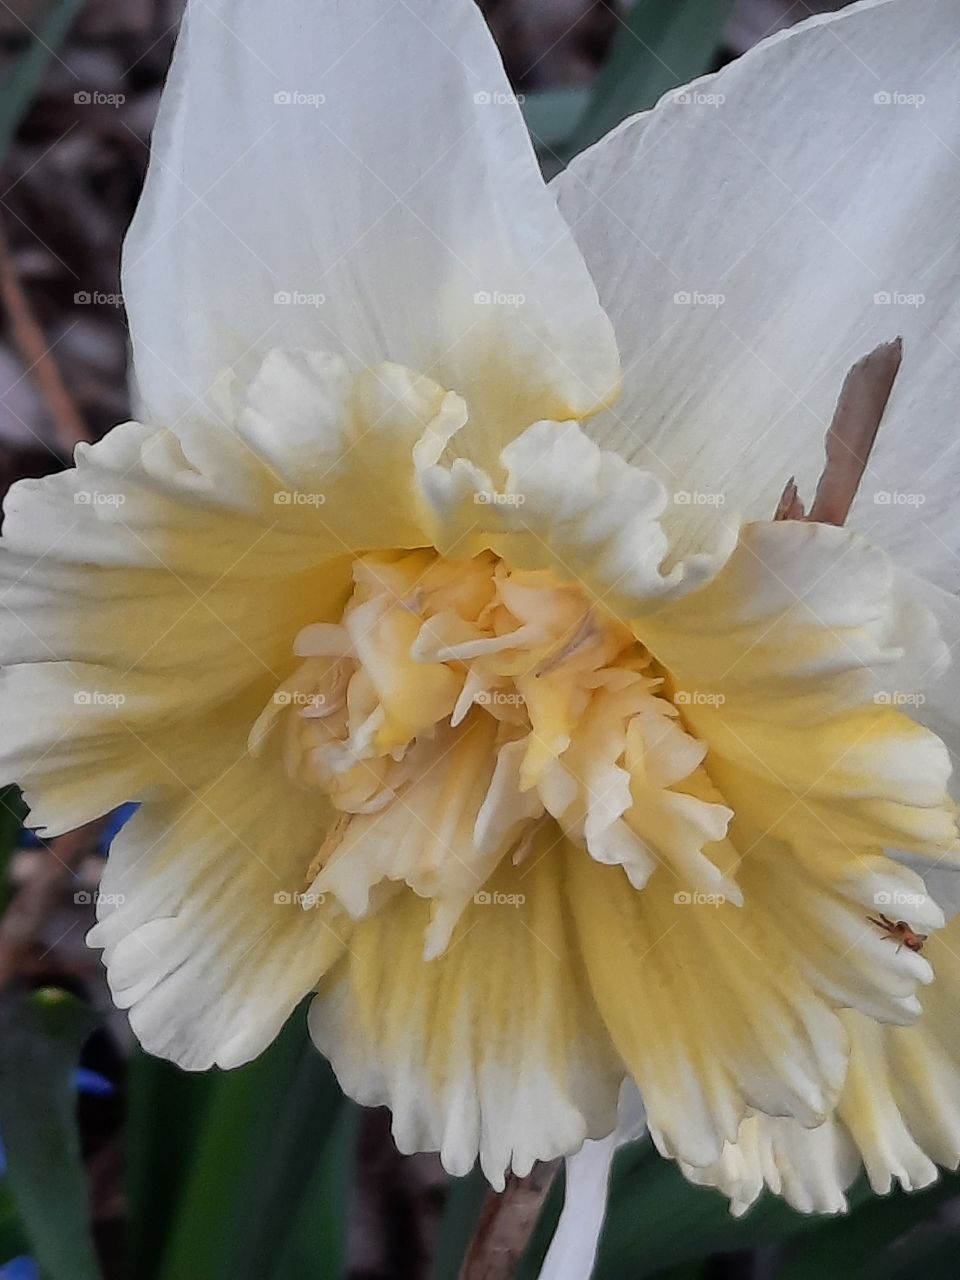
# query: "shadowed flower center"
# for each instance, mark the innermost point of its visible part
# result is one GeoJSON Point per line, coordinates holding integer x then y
{"type": "Point", "coordinates": [473, 703]}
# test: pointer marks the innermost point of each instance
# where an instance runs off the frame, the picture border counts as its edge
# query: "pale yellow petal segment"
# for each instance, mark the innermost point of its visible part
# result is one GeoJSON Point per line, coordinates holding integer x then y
{"type": "Point", "coordinates": [707, 1006]}
{"type": "Point", "coordinates": [426, 837]}
{"type": "Point", "coordinates": [556, 501]}
{"type": "Point", "coordinates": [214, 547]}
{"type": "Point", "coordinates": [139, 601]}
{"type": "Point", "coordinates": [206, 938]}
{"type": "Point", "coordinates": [493, 1049]}
{"type": "Point", "coordinates": [631, 789]}
{"type": "Point", "coordinates": [801, 620]}
{"type": "Point", "coordinates": [786, 666]}
{"type": "Point", "coordinates": [898, 1116]}
{"type": "Point", "coordinates": [344, 449]}
{"type": "Point", "coordinates": [455, 705]}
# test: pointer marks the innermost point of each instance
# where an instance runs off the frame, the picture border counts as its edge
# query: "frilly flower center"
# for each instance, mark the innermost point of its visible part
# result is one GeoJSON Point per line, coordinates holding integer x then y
{"type": "Point", "coordinates": [477, 704]}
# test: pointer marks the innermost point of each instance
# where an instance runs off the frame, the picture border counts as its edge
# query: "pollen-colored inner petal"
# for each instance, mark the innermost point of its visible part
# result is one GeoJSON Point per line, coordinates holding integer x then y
{"type": "Point", "coordinates": [458, 705]}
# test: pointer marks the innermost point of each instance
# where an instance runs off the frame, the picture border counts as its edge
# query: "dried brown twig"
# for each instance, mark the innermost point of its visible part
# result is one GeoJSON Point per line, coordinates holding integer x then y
{"type": "Point", "coordinates": [506, 1224]}
{"type": "Point", "coordinates": [863, 399]}
{"type": "Point", "coordinates": [36, 354]}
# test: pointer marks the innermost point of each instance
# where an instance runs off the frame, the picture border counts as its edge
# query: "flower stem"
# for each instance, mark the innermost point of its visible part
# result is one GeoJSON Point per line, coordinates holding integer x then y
{"type": "Point", "coordinates": [506, 1224]}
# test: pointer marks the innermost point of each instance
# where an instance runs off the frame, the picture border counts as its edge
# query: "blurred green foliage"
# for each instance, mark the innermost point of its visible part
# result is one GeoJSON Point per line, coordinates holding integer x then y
{"type": "Point", "coordinates": [658, 1224]}
{"type": "Point", "coordinates": [22, 80]}
{"type": "Point", "coordinates": [12, 813]}
{"type": "Point", "coordinates": [248, 1160]}
{"type": "Point", "coordinates": [13, 1237]}
{"type": "Point", "coordinates": [660, 45]}
{"type": "Point", "coordinates": [40, 1040]}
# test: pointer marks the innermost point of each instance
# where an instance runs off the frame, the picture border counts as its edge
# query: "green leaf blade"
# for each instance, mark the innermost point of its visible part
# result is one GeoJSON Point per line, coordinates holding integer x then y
{"type": "Point", "coordinates": [661, 45]}
{"type": "Point", "coordinates": [40, 1045]}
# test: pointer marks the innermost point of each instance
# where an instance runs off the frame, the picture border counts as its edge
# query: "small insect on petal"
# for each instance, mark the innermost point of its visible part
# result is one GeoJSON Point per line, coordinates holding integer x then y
{"type": "Point", "coordinates": [900, 932]}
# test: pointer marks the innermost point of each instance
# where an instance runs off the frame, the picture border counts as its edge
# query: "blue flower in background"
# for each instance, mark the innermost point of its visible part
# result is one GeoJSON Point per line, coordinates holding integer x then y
{"type": "Point", "coordinates": [90, 1082]}
{"type": "Point", "coordinates": [119, 818]}
{"type": "Point", "coordinates": [22, 1268]}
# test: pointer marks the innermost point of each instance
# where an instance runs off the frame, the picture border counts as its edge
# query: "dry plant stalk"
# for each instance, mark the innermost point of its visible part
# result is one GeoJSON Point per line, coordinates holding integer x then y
{"type": "Point", "coordinates": [863, 399]}
{"type": "Point", "coordinates": [506, 1224]}
{"type": "Point", "coordinates": [36, 355]}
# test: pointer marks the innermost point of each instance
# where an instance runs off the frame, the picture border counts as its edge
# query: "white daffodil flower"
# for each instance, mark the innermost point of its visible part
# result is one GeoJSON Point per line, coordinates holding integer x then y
{"type": "Point", "coordinates": [464, 677]}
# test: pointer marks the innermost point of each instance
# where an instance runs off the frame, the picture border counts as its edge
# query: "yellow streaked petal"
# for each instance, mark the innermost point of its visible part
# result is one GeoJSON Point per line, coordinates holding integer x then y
{"type": "Point", "coordinates": [211, 953]}
{"type": "Point", "coordinates": [493, 1049]}
{"type": "Point", "coordinates": [707, 1006]}
{"type": "Point", "coordinates": [898, 1116]}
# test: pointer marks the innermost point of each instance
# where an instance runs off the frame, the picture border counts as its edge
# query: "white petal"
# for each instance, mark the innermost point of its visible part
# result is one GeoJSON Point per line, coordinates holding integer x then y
{"type": "Point", "coordinates": [810, 1168]}
{"type": "Point", "coordinates": [355, 177]}
{"type": "Point", "coordinates": [930, 667]}
{"type": "Point", "coordinates": [573, 1248]}
{"type": "Point", "coordinates": [784, 187]}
